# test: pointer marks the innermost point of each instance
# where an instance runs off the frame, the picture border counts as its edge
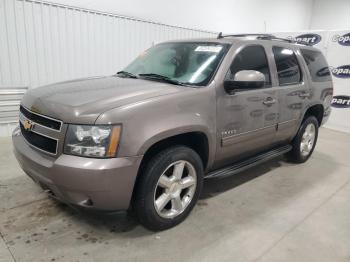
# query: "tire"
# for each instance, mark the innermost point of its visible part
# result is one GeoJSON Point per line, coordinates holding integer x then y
{"type": "Point", "coordinates": [160, 192]}
{"type": "Point", "coordinates": [305, 141]}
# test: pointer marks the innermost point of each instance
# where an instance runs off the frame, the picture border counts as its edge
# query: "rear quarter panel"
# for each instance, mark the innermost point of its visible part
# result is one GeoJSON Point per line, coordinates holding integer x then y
{"type": "Point", "coordinates": [321, 93]}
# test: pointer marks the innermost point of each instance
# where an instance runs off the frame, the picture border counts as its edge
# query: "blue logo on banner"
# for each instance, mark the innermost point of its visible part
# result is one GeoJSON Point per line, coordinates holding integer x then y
{"type": "Point", "coordinates": [341, 101]}
{"type": "Point", "coordinates": [341, 71]}
{"type": "Point", "coordinates": [342, 39]}
{"type": "Point", "coordinates": [311, 39]}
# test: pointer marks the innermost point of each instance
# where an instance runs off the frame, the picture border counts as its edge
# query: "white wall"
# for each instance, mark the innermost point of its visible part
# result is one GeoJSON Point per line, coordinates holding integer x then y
{"type": "Point", "coordinates": [45, 43]}
{"type": "Point", "coordinates": [230, 16]}
{"type": "Point", "coordinates": [330, 15]}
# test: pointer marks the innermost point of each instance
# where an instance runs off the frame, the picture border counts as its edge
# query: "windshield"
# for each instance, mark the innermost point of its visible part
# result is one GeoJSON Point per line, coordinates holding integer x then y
{"type": "Point", "coordinates": [184, 63]}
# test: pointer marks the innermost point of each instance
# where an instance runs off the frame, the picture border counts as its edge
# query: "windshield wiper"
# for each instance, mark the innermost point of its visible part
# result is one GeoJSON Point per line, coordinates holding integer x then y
{"type": "Point", "coordinates": [126, 74]}
{"type": "Point", "coordinates": [161, 77]}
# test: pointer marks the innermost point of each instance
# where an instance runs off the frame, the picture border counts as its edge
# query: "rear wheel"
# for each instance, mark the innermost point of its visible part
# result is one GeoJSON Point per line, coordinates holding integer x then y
{"type": "Point", "coordinates": [305, 141]}
{"type": "Point", "coordinates": [169, 188]}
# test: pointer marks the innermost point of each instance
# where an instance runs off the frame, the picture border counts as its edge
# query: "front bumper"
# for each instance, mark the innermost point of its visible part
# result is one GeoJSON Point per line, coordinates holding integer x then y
{"type": "Point", "coordinates": [103, 184]}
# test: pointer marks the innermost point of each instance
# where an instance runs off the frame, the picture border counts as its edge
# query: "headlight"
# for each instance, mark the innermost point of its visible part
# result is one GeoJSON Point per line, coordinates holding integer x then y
{"type": "Point", "coordinates": [92, 141]}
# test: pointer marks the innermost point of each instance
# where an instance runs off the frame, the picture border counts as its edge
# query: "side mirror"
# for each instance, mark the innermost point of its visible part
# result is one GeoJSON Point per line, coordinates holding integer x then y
{"type": "Point", "coordinates": [245, 79]}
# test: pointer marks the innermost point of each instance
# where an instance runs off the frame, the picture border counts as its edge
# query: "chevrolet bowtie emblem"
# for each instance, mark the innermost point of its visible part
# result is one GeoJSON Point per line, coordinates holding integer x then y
{"type": "Point", "coordinates": [28, 125]}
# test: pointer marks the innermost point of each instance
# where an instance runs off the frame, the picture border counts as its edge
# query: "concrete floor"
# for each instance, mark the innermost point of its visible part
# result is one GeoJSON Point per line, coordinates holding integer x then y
{"type": "Point", "coordinates": [275, 212]}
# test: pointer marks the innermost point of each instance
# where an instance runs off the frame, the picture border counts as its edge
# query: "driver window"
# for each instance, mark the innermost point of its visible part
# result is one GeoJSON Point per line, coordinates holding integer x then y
{"type": "Point", "coordinates": [250, 58]}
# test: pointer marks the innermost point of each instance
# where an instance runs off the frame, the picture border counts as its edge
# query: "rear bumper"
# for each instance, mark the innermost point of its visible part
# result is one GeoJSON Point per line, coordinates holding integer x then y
{"type": "Point", "coordinates": [326, 115]}
{"type": "Point", "coordinates": [102, 184]}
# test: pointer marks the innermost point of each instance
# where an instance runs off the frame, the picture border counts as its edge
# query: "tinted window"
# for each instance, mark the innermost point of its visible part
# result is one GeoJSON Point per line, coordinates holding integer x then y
{"type": "Point", "coordinates": [317, 65]}
{"type": "Point", "coordinates": [250, 58]}
{"type": "Point", "coordinates": [288, 68]}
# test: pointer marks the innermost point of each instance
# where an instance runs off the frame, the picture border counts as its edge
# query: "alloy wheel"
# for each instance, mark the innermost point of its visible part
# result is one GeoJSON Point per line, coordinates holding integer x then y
{"type": "Point", "coordinates": [308, 140]}
{"type": "Point", "coordinates": [175, 189]}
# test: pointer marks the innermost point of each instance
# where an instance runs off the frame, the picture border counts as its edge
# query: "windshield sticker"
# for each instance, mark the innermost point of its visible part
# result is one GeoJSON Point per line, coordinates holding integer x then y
{"type": "Point", "coordinates": [208, 48]}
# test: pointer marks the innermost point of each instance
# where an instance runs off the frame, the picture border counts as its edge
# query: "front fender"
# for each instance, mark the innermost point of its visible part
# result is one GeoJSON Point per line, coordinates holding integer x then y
{"type": "Point", "coordinates": [174, 132]}
{"type": "Point", "coordinates": [152, 120]}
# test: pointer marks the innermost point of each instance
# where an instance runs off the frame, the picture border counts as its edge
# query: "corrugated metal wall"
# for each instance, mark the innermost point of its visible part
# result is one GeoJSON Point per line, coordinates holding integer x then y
{"type": "Point", "coordinates": [42, 42]}
{"type": "Point", "coordinates": [9, 103]}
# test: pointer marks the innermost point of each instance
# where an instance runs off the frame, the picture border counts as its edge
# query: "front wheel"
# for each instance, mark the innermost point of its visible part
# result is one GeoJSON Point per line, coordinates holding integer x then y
{"type": "Point", "coordinates": [169, 188]}
{"type": "Point", "coordinates": [305, 141]}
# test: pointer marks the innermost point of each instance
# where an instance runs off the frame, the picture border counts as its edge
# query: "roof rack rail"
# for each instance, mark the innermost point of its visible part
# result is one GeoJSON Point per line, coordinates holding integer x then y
{"type": "Point", "coordinates": [264, 37]}
{"type": "Point", "coordinates": [289, 40]}
{"type": "Point", "coordinates": [220, 35]}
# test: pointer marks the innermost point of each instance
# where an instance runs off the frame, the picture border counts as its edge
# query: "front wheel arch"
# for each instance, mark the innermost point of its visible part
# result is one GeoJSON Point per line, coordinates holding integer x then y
{"type": "Point", "coordinates": [196, 140]}
{"type": "Point", "coordinates": [143, 204]}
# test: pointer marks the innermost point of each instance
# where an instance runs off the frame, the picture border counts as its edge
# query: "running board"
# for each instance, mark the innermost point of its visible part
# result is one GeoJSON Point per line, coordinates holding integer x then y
{"type": "Point", "coordinates": [248, 163]}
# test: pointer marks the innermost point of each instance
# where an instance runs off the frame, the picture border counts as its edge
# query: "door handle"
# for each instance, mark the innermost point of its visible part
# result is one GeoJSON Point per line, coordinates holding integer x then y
{"type": "Point", "coordinates": [269, 101]}
{"type": "Point", "coordinates": [304, 95]}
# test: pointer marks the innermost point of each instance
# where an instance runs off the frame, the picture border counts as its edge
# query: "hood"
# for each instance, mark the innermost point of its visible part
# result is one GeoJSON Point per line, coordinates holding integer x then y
{"type": "Point", "coordinates": [82, 101]}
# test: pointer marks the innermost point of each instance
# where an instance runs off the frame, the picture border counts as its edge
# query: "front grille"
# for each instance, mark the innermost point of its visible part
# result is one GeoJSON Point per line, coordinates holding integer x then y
{"type": "Point", "coordinates": [39, 141]}
{"type": "Point", "coordinates": [40, 119]}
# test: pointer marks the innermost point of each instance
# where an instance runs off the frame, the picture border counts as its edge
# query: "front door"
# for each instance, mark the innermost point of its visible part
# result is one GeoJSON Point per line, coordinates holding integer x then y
{"type": "Point", "coordinates": [247, 119]}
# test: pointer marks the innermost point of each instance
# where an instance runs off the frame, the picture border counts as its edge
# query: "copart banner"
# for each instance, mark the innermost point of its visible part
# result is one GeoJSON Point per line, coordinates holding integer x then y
{"type": "Point", "coordinates": [338, 56]}
{"type": "Point", "coordinates": [336, 47]}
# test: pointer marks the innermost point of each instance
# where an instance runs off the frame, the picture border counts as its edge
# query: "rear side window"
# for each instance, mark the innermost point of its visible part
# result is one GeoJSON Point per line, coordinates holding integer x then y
{"type": "Point", "coordinates": [250, 58]}
{"type": "Point", "coordinates": [317, 65]}
{"type": "Point", "coordinates": [288, 68]}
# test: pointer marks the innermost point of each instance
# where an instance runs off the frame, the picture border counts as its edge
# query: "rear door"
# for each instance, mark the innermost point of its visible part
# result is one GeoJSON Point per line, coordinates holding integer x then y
{"type": "Point", "coordinates": [293, 91]}
{"type": "Point", "coordinates": [247, 119]}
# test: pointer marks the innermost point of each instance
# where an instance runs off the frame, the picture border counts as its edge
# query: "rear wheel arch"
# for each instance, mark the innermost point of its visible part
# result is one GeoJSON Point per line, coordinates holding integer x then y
{"type": "Point", "coordinates": [305, 140]}
{"type": "Point", "coordinates": [317, 111]}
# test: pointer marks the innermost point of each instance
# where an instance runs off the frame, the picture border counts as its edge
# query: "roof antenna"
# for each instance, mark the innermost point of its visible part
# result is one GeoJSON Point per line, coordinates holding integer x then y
{"type": "Point", "coordinates": [220, 35]}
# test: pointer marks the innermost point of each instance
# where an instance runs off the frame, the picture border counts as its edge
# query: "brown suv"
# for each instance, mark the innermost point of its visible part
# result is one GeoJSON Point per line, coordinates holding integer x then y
{"type": "Point", "coordinates": [181, 112]}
